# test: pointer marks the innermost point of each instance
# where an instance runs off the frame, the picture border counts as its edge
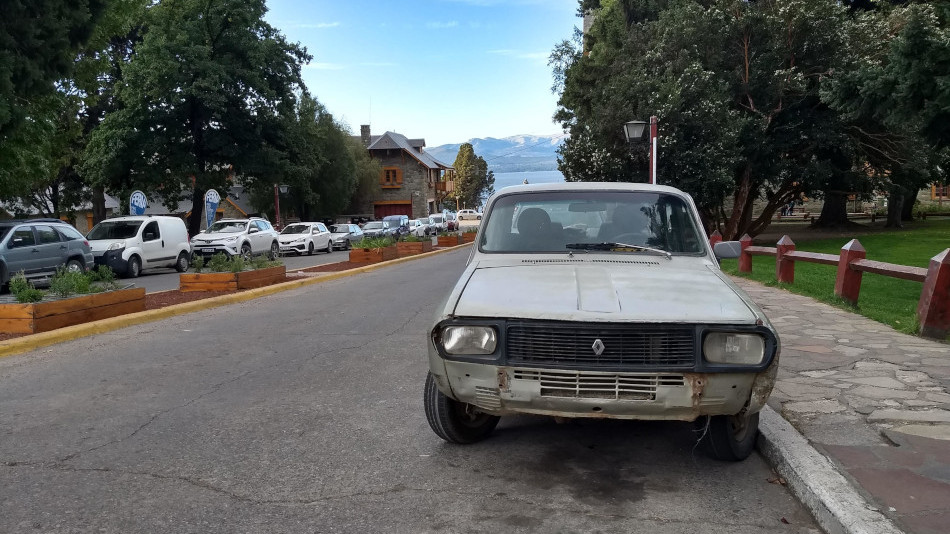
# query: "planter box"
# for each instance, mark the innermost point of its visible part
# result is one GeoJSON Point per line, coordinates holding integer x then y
{"type": "Point", "coordinates": [231, 281]}
{"type": "Point", "coordinates": [373, 255]}
{"type": "Point", "coordinates": [45, 316]}
{"type": "Point", "coordinates": [469, 237]}
{"type": "Point", "coordinates": [449, 240]}
{"type": "Point", "coordinates": [411, 248]}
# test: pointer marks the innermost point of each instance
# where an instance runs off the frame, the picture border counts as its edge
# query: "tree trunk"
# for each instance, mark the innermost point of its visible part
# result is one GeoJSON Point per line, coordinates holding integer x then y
{"type": "Point", "coordinates": [834, 212]}
{"type": "Point", "coordinates": [197, 210]}
{"type": "Point", "coordinates": [98, 204]}
{"type": "Point", "coordinates": [738, 205]}
{"type": "Point", "coordinates": [895, 203]}
{"type": "Point", "coordinates": [907, 210]}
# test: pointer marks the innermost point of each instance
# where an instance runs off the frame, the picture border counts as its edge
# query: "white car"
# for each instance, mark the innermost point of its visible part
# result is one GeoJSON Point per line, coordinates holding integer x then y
{"type": "Point", "coordinates": [438, 223]}
{"type": "Point", "coordinates": [132, 243]}
{"type": "Point", "coordinates": [418, 228]}
{"type": "Point", "coordinates": [600, 300]}
{"type": "Point", "coordinates": [469, 214]}
{"type": "Point", "coordinates": [237, 237]}
{"type": "Point", "coordinates": [305, 237]}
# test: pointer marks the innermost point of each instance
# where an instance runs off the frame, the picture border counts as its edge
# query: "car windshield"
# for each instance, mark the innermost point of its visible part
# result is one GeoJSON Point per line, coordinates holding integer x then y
{"type": "Point", "coordinates": [374, 225]}
{"type": "Point", "coordinates": [227, 227]}
{"type": "Point", "coordinates": [296, 229]}
{"type": "Point", "coordinates": [340, 229]}
{"type": "Point", "coordinates": [436, 219]}
{"type": "Point", "coordinates": [574, 221]}
{"type": "Point", "coordinates": [114, 230]}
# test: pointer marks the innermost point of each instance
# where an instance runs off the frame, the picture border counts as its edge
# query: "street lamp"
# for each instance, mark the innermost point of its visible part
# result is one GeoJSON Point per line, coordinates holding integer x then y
{"type": "Point", "coordinates": [634, 131]}
{"type": "Point", "coordinates": [282, 189]}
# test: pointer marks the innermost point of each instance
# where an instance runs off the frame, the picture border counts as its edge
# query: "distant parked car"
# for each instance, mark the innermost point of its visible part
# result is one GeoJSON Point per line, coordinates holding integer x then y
{"type": "Point", "coordinates": [244, 237]}
{"type": "Point", "coordinates": [437, 223]}
{"type": "Point", "coordinates": [451, 223]}
{"type": "Point", "coordinates": [305, 237]}
{"type": "Point", "coordinates": [344, 235]}
{"type": "Point", "coordinates": [418, 228]}
{"type": "Point", "coordinates": [129, 244]}
{"type": "Point", "coordinates": [399, 225]}
{"type": "Point", "coordinates": [469, 214]}
{"type": "Point", "coordinates": [377, 229]}
{"type": "Point", "coordinates": [38, 247]}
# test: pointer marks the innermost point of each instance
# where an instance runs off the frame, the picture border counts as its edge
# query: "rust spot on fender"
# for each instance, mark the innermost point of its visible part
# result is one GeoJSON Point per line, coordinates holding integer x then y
{"type": "Point", "coordinates": [503, 380]}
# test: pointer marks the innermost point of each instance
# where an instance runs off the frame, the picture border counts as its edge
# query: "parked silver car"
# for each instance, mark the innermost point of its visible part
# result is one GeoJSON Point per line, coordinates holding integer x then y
{"type": "Point", "coordinates": [245, 237]}
{"type": "Point", "coordinates": [37, 247]}
{"type": "Point", "coordinates": [598, 300]}
{"type": "Point", "coordinates": [344, 235]}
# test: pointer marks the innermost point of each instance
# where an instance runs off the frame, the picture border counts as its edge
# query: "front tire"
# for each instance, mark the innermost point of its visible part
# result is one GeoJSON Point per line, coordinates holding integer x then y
{"type": "Point", "coordinates": [453, 421]}
{"type": "Point", "coordinates": [274, 251]}
{"type": "Point", "coordinates": [329, 247]}
{"type": "Point", "coordinates": [75, 266]}
{"type": "Point", "coordinates": [135, 267]}
{"type": "Point", "coordinates": [310, 248]}
{"type": "Point", "coordinates": [246, 252]}
{"type": "Point", "coordinates": [181, 264]}
{"type": "Point", "coordinates": [730, 438]}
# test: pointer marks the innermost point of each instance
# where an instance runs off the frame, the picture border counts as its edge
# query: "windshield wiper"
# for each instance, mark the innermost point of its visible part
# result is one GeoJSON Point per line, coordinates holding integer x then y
{"type": "Point", "coordinates": [608, 245]}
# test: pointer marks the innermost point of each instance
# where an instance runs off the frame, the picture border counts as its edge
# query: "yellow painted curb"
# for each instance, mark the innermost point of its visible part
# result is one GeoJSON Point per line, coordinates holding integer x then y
{"type": "Point", "coordinates": [23, 344]}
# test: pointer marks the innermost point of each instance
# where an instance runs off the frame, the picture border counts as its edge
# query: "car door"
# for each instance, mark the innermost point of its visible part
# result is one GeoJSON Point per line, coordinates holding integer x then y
{"type": "Point", "coordinates": [51, 250]}
{"type": "Point", "coordinates": [262, 238]}
{"type": "Point", "coordinates": [21, 253]}
{"type": "Point", "coordinates": [321, 237]}
{"type": "Point", "coordinates": [153, 246]}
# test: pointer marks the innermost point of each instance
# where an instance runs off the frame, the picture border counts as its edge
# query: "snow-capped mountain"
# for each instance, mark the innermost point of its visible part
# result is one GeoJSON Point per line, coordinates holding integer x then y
{"type": "Point", "coordinates": [517, 153]}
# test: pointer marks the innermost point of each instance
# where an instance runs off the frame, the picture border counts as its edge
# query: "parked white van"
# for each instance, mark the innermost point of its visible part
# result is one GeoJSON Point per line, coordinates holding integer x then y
{"type": "Point", "coordinates": [129, 244]}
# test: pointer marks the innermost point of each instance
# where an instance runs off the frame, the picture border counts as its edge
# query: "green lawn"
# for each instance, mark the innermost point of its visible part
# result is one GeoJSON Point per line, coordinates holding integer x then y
{"type": "Point", "coordinates": [888, 300]}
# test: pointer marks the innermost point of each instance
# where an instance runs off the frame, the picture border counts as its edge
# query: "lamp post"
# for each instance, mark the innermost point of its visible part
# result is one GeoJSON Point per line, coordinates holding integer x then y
{"type": "Point", "coordinates": [277, 190]}
{"type": "Point", "coordinates": [634, 131]}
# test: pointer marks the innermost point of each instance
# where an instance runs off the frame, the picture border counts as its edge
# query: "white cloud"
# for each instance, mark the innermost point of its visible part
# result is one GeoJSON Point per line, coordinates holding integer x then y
{"type": "Point", "coordinates": [442, 25]}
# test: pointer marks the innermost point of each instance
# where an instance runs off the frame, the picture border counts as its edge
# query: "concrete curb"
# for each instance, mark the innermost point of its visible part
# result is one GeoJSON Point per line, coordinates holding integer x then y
{"type": "Point", "coordinates": [23, 344]}
{"type": "Point", "coordinates": [836, 505]}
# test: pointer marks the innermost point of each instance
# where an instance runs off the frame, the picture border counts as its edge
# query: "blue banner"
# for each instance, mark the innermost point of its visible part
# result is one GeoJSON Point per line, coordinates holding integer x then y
{"type": "Point", "coordinates": [137, 203]}
{"type": "Point", "coordinates": [212, 199]}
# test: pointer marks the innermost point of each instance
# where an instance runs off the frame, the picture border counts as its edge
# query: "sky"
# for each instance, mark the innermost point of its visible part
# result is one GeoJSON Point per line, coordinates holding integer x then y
{"type": "Point", "coordinates": [443, 70]}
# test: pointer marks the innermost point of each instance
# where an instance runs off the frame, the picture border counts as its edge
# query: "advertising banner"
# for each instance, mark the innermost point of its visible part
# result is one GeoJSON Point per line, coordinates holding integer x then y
{"type": "Point", "coordinates": [212, 199]}
{"type": "Point", "coordinates": [137, 203]}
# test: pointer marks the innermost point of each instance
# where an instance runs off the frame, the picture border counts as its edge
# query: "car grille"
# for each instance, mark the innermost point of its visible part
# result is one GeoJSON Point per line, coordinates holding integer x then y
{"type": "Point", "coordinates": [572, 345]}
{"type": "Point", "coordinates": [580, 385]}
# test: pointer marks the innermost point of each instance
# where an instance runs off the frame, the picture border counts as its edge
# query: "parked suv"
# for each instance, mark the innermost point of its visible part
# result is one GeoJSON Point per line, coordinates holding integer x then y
{"type": "Point", "coordinates": [38, 246]}
{"type": "Point", "coordinates": [599, 300]}
{"type": "Point", "coordinates": [129, 244]}
{"type": "Point", "coordinates": [244, 237]}
{"type": "Point", "coordinates": [399, 225]}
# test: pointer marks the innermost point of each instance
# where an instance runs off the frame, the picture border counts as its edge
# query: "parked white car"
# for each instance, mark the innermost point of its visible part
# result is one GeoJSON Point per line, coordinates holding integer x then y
{"type": "Point", "coordinates": [245, 237]}
{"type": "Point", "coordinates": [469, 215]}
{"type": "Point", "coordinates": [418, 228]}
{"type": "Point", "coordinates": [305, 237]}
{"type": "Point", "coordinates": [344, 235]}
{"type": "Point", "coordinates": [129, 244]}
{"type": "Point", "coordinates": [599, 300]}
{"type": "Point", "coordinates": [438, 223]}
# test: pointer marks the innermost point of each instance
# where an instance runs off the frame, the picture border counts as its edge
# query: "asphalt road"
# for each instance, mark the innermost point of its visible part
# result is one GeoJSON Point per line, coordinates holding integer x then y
{"type": "Point", "coordinates": [302, 412]}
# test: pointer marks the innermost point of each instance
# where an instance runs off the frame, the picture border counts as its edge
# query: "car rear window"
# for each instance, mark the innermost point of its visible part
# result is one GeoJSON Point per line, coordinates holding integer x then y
{"type": "Point", "coordinates": [69, 233]}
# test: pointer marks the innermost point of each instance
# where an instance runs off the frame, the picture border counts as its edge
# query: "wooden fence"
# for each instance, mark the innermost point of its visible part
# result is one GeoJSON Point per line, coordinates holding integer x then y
{"type": "Point", "coordinates": [933, 308]}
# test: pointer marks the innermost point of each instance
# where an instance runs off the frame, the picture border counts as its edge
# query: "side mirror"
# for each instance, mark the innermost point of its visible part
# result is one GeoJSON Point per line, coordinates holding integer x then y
{"type": "Point", "coordinates": [727, 249]}
{"type": "Point", "coordinates": [253, 230]}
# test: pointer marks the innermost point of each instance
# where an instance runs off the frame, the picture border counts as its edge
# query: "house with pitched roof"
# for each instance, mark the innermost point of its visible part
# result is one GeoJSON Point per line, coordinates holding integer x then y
{"type": "Point", "coordinates": [412, 182]}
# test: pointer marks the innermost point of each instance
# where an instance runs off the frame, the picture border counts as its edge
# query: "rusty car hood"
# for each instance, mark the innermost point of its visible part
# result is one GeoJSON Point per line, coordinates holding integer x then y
{"type": "Point", "coordinates": [678, 290]}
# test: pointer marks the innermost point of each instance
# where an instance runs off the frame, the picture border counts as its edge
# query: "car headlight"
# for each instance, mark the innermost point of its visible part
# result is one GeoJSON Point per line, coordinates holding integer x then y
{"type": "Point", "coordinates": [230, 239]}
{"type": "Point", "coordinates": [118, 245]}
{"type": "Point", "coordinates": [469, 339]}
{"type": "Point", "coordinates": [734, 348]}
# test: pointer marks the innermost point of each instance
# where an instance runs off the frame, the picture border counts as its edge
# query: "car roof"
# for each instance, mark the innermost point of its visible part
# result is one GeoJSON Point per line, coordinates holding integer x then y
{"type": "Point", "coordinates": [589, 186]}
{"type": "Point", "coordinates": [11, 222]}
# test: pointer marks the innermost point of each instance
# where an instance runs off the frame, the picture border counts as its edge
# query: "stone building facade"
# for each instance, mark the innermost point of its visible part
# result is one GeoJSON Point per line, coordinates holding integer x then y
{"type": "Point", "coordinates": [412, 182]}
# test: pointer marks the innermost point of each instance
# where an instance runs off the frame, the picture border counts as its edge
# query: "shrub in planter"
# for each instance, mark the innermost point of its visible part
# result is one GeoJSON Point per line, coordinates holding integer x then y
{"type": "Point", "coordinates": [373, 250]}
{"type": "Point", "coordinates": [448, 239]}
{"type": "Point", "coordinates": [231, 274]}
{"type": "Point", "coordinates": [413, 244]}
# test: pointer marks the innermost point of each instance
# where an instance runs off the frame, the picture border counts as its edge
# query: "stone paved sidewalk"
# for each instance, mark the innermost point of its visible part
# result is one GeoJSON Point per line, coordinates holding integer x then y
{"type": "Point", "coordinates": [874, 400]}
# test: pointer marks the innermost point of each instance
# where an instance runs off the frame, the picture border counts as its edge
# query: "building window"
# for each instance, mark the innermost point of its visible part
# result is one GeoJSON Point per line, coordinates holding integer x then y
{"type": "Point", "coordinates": [391, 177]}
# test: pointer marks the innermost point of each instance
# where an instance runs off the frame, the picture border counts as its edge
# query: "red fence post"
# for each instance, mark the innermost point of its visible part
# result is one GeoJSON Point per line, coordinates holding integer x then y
{"type": "Point", "coordinates": [745, 259]}
{"type": "Point", "coordinates": [714, 238]}
{"type": "Point", "coordinates": [784, 267]}
{"type": "Point", "coordinates": [933, 310]}
{"type": "Point", "coordinates": [848, 281]}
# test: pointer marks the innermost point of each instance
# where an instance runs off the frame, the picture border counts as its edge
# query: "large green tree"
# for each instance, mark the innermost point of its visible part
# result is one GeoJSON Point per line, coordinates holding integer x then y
{"type": "Point", "coordinates": [473, 180]}
{"type": "Point", "coordinates": [204, 98]}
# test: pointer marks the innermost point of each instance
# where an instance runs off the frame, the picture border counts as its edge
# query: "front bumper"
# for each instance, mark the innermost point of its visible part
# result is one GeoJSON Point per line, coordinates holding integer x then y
{"type": "Point", "coordinates": [113, 260]}
{"type": "Point", "coordinates": [298, 248]}
{"type": "Point", "coordinates": [504, 390]}
{"type": "Point", "coordinates": [214, 248]}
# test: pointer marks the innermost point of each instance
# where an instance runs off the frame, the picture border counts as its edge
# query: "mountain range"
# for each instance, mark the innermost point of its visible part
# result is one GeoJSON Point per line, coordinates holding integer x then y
{"type": "Point", "coordinates": [518, 153]}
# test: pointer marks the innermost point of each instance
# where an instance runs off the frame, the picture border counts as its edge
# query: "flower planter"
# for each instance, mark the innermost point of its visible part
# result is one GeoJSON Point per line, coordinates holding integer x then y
{"type": "Point", "coordinates": [411, 248]}
{"type": "Point", "coordinates": [373, 255]}
{"type": "Point", "coordinates": [231, 281]}
{"type": "Point", "coordinates": [449, 240]}
{"type": "Point", "coordinates": [45, 316]}
{"type": "Point", "coordinates": [469, 237]}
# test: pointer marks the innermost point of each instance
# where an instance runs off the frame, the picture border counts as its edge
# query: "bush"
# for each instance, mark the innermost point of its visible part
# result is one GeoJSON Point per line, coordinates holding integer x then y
{"type": "Point", "coordinates": [236, 264]}
{"type": "Point", "coordinates": [374, 242]}
{"type": "Point", "coordinates": [412, 238]}
{"type": "Point", "coordinates": [23, 290]}
{"type": "Point", "coordinates": [198, 263]}
{"type": "Point", "coordinates": [66, 283]}
{"type": "Point", "coordinates": [104, 276]}
{"type": "Point", "coordinates": [218, 263]}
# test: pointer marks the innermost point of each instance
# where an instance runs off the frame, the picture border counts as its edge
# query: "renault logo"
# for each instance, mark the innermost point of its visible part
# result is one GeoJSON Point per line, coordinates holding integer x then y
{"type": "Point", "coordinates": [598, 347]}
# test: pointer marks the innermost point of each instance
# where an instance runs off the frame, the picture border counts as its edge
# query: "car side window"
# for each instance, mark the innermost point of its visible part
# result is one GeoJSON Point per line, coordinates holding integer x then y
{"type": "Point", "coordinates": [46, 234]}
{"type": "Point", "coordinates": [68, 233]}
{"type": "Point", "coordinates": [261, 225]}
{"type": "Point", "coordinates": [22, 237]}
{"type": "Point", "coordinates": [151, 233]}
{"type": "Point", "coordinates": [321, 228]}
